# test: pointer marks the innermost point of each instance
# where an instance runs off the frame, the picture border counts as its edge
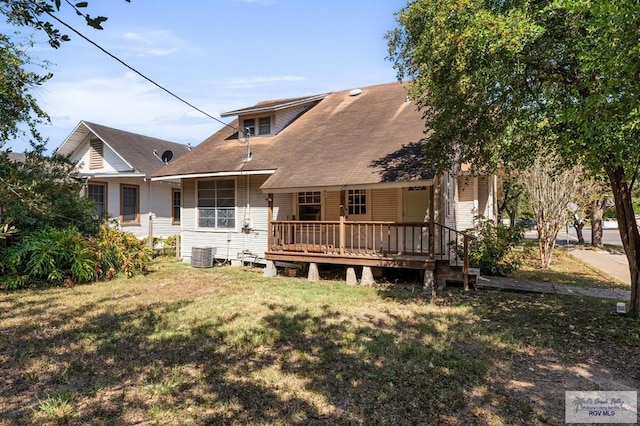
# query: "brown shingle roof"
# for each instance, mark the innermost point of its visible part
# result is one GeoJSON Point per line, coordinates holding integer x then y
{"type": "Point", "coordinates": [343, 140]}
{"type": "Point", "coordinates": [137, 150]}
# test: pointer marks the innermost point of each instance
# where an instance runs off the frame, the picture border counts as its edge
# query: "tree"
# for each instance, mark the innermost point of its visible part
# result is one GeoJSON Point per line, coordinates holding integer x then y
{"type": "Point", "coordinates": [550, 191]}
{"type": "Point", "coordinates": [522, 76]}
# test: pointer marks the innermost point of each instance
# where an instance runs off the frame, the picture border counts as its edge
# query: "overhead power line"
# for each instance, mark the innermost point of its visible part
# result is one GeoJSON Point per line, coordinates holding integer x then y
{"type": "Point", "coordinates": [138, 72]}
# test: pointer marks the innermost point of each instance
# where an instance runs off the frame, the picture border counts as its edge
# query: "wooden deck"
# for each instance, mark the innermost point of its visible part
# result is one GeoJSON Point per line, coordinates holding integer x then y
{"type": "Point", "coordinates": [379, 244]}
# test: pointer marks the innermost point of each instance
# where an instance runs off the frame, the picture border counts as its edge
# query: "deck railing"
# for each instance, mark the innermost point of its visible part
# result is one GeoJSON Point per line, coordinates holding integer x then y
{"type": "Point", "coordinates": [358, 238]}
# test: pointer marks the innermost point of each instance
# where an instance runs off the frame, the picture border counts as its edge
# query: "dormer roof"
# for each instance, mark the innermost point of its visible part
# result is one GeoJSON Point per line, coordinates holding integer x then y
{"type": "Point", "coordinates": [274, 105]}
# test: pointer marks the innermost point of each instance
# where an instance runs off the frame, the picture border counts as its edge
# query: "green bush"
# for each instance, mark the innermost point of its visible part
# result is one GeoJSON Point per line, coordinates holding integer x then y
{"type": "Point", "coordinates": [491, 248]}
{"type": "Point", "coordinates": [64, 256]}
{"type": "Point", "coordinates": [49, 255]}
{"type": "Point", "coordinates": [118, 251]}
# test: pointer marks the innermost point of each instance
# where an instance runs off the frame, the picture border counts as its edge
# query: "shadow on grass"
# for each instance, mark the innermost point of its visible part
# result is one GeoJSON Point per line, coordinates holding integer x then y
{"type": "Point", "coordinates": [396, 362]}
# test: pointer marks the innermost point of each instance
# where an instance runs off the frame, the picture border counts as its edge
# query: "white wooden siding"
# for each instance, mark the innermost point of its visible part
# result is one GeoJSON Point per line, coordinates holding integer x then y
{"type": "Point", "coordinates": [286, 116]}
{"type": "Point", "coordinates": [112, 162]}
{"type": "Point", "coordinates": [231, 243]}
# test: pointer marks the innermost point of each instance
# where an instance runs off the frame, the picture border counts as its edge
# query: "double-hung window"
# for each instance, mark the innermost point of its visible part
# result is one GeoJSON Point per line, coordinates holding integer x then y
{"type": "Point", "coordinates": [257, 126]}
{"type": "Point", "coordinates": [98, 193]}
{"type": "Point", "coordinates": [129, 205]}
{"type": "Point", "coordinates": [175, 206]}
{"type": "Point", "coordinates": [216, 204]}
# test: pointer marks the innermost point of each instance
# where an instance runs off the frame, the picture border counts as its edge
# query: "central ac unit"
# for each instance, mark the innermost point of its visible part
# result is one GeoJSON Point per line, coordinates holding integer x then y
{"type": "Point", "coordinates": [202, 257]}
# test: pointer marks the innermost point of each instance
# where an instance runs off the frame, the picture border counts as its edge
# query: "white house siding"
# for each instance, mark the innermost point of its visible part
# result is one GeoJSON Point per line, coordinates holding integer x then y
{"type": "Point", "coordinates": [231, 243]}
{"type": "Point", "coordinates": [161, 207]}
{"type": "Point", "coordinates": [286, 116]}
{"type": "Point", "coordinates": [111, 161]}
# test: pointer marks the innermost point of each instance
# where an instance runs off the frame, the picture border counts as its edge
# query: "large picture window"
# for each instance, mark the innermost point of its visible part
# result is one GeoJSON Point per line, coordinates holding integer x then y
{"type": "Point", "coordinates": [216, 204]}
{"type": "Point", "coordinates": [98, 193]}
{"type": "Point", "coordinates": [309, 206]}
{"type": "Point", "coordinates": [129, 205]}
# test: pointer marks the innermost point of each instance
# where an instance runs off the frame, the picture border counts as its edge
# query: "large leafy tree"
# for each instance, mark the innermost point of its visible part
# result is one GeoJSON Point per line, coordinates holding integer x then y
{"type": "Point", "coordinates": [501, 81]}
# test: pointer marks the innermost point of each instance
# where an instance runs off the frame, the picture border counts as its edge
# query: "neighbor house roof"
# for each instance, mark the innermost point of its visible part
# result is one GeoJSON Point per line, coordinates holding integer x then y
{"type": "Point", "coordinates": [17, 157]}
{"type": "Point", "coordinates": [350, 138]}
{"type": "Point", "coordinates": [134, 149]}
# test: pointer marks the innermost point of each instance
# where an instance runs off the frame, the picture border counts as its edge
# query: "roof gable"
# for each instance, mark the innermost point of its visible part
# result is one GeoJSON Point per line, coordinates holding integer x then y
{"type": "Point", "coordinates": [138, 151]}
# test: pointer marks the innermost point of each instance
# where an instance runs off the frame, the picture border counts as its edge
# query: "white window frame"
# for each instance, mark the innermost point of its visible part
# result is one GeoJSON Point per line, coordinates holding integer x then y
{"type": "Point", "coordinates": [216, 210]}
{"type": "Point", "coordinates": [309, 199]}
{"type": "Point", "coordinates": [256, 128]}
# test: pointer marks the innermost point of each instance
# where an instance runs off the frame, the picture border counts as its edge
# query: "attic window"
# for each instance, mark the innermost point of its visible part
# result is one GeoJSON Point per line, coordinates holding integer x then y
{"type": "Point", "coordinates": [263, 125]}
{"type": "Point", "coordinates": [96, 154]}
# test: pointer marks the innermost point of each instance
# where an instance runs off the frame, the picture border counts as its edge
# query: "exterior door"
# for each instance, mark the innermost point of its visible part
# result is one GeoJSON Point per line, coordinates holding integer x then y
{"type": "Point", "coordinates": [415, 213]}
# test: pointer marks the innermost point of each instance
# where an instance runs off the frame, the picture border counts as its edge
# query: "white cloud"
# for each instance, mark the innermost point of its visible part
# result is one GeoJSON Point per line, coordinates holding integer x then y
{"type": "Point", "coordinates": [127, 103]}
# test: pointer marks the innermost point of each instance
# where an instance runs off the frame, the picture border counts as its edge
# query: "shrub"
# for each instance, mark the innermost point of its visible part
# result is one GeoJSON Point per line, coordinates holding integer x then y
{"type": "Point", "coordinates": [491, 249]}
{"type": "Point", "coordinates": [117, 251]}
{"type": "Point", "coordinates": [65, 256]}
{"type": "Point", "coordinates": [49, 255]}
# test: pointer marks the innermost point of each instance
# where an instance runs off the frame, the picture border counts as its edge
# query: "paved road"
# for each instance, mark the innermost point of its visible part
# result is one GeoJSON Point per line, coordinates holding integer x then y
{"type": "Point", "coordinates": [609, 236]}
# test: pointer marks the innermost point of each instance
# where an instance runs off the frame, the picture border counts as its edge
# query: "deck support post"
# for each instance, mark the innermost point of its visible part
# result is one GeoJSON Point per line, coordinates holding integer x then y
{"type": "Point", "coordinates": [270, 221]}
{"type": "Point", "coordinates": [430, 283]}
{"type": "Point", "coordinates": [432, 222]}
{"type": "Point", "coordinates": [465, 262]}
{"type": "Point", "coordinates": [351, 276]}
{"type": "Point", "coordinates": [313, 275]}
{"type": "Point", "coordinates": [367, 276]}
{"type": "Point", "coordinates": [270, 270]}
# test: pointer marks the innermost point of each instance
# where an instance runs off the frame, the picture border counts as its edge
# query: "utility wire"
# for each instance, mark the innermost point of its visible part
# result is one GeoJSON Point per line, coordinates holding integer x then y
{"type": "Point", "coordinates": [138, 72]}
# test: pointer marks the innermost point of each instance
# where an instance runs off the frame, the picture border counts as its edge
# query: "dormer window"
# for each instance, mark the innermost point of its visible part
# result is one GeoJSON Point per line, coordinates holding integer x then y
{"type": "Point", "coordinates": [260, 126]}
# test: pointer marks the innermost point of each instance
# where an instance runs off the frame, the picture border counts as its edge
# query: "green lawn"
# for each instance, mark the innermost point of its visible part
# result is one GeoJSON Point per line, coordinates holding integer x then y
{"type": "Point", "coordinates": [226, 346]}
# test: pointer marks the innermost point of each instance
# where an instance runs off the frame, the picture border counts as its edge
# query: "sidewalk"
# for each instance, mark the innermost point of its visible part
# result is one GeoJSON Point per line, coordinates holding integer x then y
{"type": "Point", "coordinates": [614, 265]}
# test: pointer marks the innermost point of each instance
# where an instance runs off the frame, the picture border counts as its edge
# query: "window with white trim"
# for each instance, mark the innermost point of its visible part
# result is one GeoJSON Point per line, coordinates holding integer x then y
{"type": "Point", "coordinates": [216, 204]}
{"type": "Point", "coordinates": [98, 193]}
{"type": "Point", "coordinates": [309, 205]}
{"type": "Point", "coordinates": [260, 126]}
{"type": "Point", "coordinates": [357, 201]}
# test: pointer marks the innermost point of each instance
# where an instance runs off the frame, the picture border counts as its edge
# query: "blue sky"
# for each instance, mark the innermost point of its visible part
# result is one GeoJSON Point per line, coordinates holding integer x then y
{"type": "Point", "coordinates": [219, 55]}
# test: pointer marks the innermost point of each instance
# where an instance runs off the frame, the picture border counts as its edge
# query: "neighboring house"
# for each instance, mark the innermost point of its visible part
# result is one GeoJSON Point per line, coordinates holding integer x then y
{"type": "Point", "coordinates": [335, 178]}
{"type": "Point", "coordinates": [118, 166]}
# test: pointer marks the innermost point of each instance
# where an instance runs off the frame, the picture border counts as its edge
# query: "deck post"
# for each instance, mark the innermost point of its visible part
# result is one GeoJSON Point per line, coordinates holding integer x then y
{"type": "Point", "coordinates": [270, 221]}
{"type": "Point", "coordinates": [432, 223]}
{"type": "Point", "coordinates": [342, 235]}
{"type": "Point", "coordinates": [367, 276]}
{"type": "Point", "coordinates": [465, 262]}
{"type": "Point", "coordinates": [351, 276]}
{"type": "Point", "coordinates": [270, 270]}
{"type": "Point", "coordinates": [313, 275]}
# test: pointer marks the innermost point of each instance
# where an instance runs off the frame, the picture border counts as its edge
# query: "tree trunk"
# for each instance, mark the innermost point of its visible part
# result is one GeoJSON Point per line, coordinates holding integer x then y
{"type": "Point", "coordinates": [628, 232]}
{"type": "Point", "coordinates": [578, 225]}
{"type": "Point", "coordinates": [597, 211]}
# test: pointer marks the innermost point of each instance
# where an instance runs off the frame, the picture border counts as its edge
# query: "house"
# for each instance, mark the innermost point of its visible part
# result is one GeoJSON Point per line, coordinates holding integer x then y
{"type": "Point", "coordinates": [337, 178]}
{"type": "Point", "coordinates": [118, 166]}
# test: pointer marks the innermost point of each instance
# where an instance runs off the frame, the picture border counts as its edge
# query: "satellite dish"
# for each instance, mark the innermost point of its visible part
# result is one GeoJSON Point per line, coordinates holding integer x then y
{"type": "Point", "coordinates": [167, 156]}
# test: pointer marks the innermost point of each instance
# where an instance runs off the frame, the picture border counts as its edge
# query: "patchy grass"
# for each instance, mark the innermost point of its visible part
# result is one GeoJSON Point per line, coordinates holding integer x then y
{"type": "Point", "coordinates": [565, 269]}
{"type": "Point", "coordinates": [225, 346]}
